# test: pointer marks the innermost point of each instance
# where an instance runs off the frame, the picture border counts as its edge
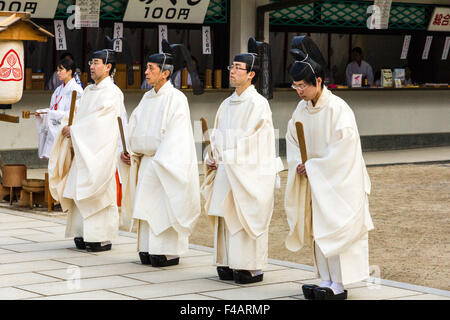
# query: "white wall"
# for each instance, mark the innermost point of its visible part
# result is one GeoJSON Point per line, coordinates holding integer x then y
{"type": "Point", "coordinates": [377, 112]}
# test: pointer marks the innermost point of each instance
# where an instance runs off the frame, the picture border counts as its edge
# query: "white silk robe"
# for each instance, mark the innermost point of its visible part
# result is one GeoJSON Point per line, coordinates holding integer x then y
{"type": "Point", "coordinates": [162, 183]}
{"type": "Point", "coordinates": [87, 180]}
{"type": "Point", "coordinates": [241, 192]}
{"type": "Point", "coordinates": [49, 125]}
{"type": "Point", "coordinates": [338, 181]}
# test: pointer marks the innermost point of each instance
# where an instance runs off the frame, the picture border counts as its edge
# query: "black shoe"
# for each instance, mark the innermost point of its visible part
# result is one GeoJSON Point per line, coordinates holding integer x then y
{"type": "Point", "coordinates": [325, 293]}
{"type": "Point", "coordinates": [308, 291]}
{"type": "Point", "coordinates": [79, 243]}
{"type": "Point", "coordinates": [225, 273]}
{"type": "Point", "coordinates": [161, 261]}
{"type": "Point", "coordinates": [244, 276]}
{"type": "Point", "coordinates": [97, 246]}
{"type": "Point", "coordinates": [145, 258]}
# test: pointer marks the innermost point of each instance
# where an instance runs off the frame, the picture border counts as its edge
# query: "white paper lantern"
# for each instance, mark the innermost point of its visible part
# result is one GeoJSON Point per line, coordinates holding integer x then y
{"type": "Point", "coordinates": [12, 71]}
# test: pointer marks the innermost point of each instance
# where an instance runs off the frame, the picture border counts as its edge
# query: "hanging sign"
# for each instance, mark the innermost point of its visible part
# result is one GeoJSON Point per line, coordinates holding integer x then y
{"type": "Point", "coordinates": [162, 31]}
{"type": "Point", "coordinates": [426, 49]}
{"type": "Point", "coordinates": [206, 35]}
{"type": "Point", "coordinates": [60, 35]}
{"type": "Point", "coordinates": [89, 14]}
{"type": "Point", "coordinates": [446, 47]}
{"type": "Point", "coordinates": [405, 48]}
{"type": "Point", "coordinates": [440, 19]}
{"type": "Point", "coordinates": [118, 33]}
{"type": "Point", "coordinates": [38, 9]}
{"type": "Point", "coordinates": [166, 11]}
{"type": "Point", "coordinates": [380, 11]}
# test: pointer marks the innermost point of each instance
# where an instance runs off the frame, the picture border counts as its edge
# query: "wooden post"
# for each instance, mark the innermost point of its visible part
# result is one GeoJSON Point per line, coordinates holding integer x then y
{"type": "Point", "coordinates": [184, 79]}
{"type": "Point", "coordinates": [208, 76]}
{"type": "Point", "coordinates": [218, 79]}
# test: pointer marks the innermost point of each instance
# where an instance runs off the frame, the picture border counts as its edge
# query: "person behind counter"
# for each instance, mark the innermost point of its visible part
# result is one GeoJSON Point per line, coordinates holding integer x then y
{"type": "Point", "coordinates": [358, 66]}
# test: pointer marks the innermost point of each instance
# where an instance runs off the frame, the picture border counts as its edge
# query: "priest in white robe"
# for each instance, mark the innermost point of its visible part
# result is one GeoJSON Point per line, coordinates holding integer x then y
{"type": "Point", "coordinates": [51, 120]}
{"type": "Point", "coordinates": [85, 184]}
{"type": "Point", "coordinates": [162, 188]}
{"type": "Point", "coordinates": [339, 185]}
{"type": "Point", "coordinates": [241, 176]}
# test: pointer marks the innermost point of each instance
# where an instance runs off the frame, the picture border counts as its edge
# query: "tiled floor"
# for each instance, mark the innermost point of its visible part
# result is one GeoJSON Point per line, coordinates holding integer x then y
{"type": "Point", "coordinates": [38, 262]}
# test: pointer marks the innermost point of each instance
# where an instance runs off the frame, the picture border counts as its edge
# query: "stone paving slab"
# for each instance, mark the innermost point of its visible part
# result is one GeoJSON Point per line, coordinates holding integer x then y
{"type": "Point", "coordinates": [40, 255]}
{"type": "Point", "coordinates": [196, 261]}
{"type": "Point", "coordinates": [104, 259]}
{"type": "Point", "coordinates": [4, 241]}
{"type": "Point", "coordinates": [5, 218]}
{"type": "Point", "coordinates": [193, 296]}
{"type": "Point", "coordinates": [26, 224]}
{"type": "Point", "coordinates": [261, 292]}
{"type": "Point", "coordinates": [19, 232]}
{"type": "Point", "coordinates": [59, 229]}
{"type": "Point", "coordinates": [175, 274]}
{"type": "Point", "coordinates": [24, 278]}
{"type": "Point", "coordinates": [80, 285]}
{"type": "Point", "coordinates": [130, 269]}
{"type": "Point", "coordinates": [286, 275]}
{"type": "Point", "coordinates": [3, 251]}
{"type": "Point", "coordinates": [40, 246]}
{"type": "Point", "coordinates": [349, 286]}
{"type": "Point", "coordinates": [89, 295]}
{"type": "Point", "coordinates": [15, 294]}
{"type": "Point", "coordinates": [37, 262]}
{"type": "Point", "coordinates": [378, 292]}
{"type": "Point", "coordinates": [422, 297]}
{"type": "Point", "coordinates": [174, 288]}
{"type": "Point", "coordinates": [31, 266]}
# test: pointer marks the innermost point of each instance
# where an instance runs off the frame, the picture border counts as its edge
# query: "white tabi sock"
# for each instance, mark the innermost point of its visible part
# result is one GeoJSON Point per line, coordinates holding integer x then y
{"type": "Point", "coordinates": [255, 272]}
{"type": "Point", "coordinates": [337, 287]}
{"type": "Point", "coordinates": [170, 257]}
{"type": "Point", "coordinates": [325, 283]}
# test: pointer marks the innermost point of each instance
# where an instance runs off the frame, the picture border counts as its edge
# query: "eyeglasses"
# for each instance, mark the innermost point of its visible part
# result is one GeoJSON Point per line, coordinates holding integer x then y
{"type": "Point", "coordinates": [293, 86]}
{"type": "Point", "coordinates": [95, 63]}
{"type": "Point", "coordinates": [235, 67]}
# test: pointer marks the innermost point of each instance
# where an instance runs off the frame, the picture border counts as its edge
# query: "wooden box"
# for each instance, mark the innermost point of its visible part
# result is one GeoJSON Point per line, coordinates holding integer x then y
{"type": "Point", "coordinates": [37, 81]}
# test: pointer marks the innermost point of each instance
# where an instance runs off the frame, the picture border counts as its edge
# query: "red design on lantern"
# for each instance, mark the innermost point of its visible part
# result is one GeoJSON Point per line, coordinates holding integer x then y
{"type": "Point", "coordinates": [12, 71]}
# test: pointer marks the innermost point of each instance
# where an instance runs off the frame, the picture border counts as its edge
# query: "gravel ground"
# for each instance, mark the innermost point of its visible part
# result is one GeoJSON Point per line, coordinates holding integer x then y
{"type": "Point", "coordinates": [409, 205]}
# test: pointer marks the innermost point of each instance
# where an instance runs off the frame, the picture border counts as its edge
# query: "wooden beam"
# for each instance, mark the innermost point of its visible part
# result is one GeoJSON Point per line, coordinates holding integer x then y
{"type": "Point", "coordinates": [8, 118]}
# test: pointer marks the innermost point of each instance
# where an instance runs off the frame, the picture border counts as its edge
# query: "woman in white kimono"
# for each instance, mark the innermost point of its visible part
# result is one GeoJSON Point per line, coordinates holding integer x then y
{"type": "Point", "coordinates": [51, 120]}
{"type": "Point", "coordinates": [336, 174]}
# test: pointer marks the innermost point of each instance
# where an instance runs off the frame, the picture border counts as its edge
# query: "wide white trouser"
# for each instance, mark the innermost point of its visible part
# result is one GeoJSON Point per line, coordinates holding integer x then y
{"type": "Point", "coordinates": [99, 227]}
{"type": "Point", "coordinates": [348, 267]}
{"type": "Point", "coordinates": [168, 242]}
{"type": "Point", "coordinates": [329, 268]}
{"type": "Point", "coordinates": [239, 251]}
